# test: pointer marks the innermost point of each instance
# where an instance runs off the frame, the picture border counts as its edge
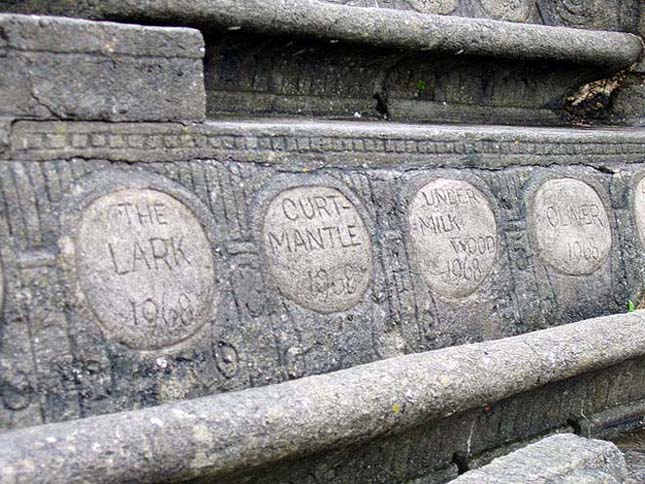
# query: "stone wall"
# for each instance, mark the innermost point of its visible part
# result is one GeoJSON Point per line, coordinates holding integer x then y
{"type": "Point", "coordinates": [150, 257]}
{"type": "Point", "coordinates": [150, 262]}
{"type": "Point", "coordinates": [273, 270]}
{"type": "Point", "coordinates": [560, 458]}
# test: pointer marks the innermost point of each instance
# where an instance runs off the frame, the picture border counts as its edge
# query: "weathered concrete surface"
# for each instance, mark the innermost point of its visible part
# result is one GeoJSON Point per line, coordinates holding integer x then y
{"type": "Point", "coordinates": [214, 436]}
{"type": "Point", "coordinates": [563, 458]}
{"type": "Point", "coordinates": [262, 75]}
{"type": "Point", "coordinates": [628, 103]}
{"type": "Point", "coordinates": [310, 58]}
{"type": "Point", "coordinates": [574, 250]}
{"type": "Point", "coordinates": [605, 15]}
{"type": "Point", "coordinates": [473, 74]}
{"type": "Point", "coordinates": [631, 441]}
{"type": "Point", "coordinates": [382, 27]}
{"type": "Point", "coordinates": [472, 212]}
{"type": "Point", "coordinates": [54, 68]}
{"type": "Point", "coordinates": [596, 14]}
{"type": "Point", "coordinates": [167, 306]}
{"type": "Point", "coordinates": [130, 286]}
{"type": "Point", "coordinates": [614, 422]}
{"type": "Point", "coordinates": [330, 221]}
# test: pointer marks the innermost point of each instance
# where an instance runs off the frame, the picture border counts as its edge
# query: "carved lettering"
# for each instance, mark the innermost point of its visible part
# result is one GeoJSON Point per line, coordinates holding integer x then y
{"type": "Point", "coordinates": [570, 226]}
{"type": "Point", "coordinates": [454, 236]}
{"type": "Point", "coordinates": [318, 248]}
{"type": "Point", "coordinates": [145, 266]}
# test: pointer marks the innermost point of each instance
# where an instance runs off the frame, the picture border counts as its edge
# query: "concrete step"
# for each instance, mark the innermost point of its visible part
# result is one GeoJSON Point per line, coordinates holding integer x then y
{"type": "Point", "coordinates": [308, 58]}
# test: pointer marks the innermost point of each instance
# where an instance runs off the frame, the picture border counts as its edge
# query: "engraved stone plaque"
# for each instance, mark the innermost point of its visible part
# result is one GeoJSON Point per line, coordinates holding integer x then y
{"type": "Point", "coordinates": [434, 6]}
{"type": "Point", "coordinates": [146, 268]}
{"type": "Point", "coordinates": [318, 248]}
{"type": "Point", "coordinates": [570, 226]}
{"type": "Point", "coordinates": [513, 10]}
{"type": "Point", "coordinates": [454, 236]}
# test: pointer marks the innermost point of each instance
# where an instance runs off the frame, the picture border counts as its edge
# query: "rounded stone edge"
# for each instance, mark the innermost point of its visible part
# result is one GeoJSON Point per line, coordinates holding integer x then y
{"type": "Point", "coordinates": [203, 431]}
{"type": "Point", "coordinates": [94, 186]}
{"type": "Point", "coordinates": [380, 27]}
{"type": "Point", "coordinates": [282, 182]}
{"type": "Point", "coordinates": [411, 187]}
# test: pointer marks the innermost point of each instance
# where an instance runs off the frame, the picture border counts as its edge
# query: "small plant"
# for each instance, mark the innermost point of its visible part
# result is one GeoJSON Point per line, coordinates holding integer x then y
{"type": "Point", "coordinates": [637, 303]}
{"type": "Point", "coordinates": [421, 85]}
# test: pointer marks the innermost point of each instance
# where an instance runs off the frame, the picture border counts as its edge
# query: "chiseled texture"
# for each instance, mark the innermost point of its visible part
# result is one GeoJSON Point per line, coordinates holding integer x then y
{"type": "Point", "coordinates": [383, 27]}
{"type": "Point", "coordinates": [214, 436]}
{"type": "Point", "coordinates": [562, 459]}
{"type": "Point", "coordinates": [56, 68]}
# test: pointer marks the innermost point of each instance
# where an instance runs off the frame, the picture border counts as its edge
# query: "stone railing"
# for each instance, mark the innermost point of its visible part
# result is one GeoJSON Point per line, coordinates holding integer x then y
{"type": "Point", "coordinates": [411, 417]}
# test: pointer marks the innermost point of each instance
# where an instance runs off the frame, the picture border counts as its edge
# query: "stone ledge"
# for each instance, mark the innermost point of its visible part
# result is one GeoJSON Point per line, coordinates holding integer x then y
{"type": "Point", "coordinates": [35, 34]}
{"type": "Point", "coordinates": [563, 458]}
{"type": "Point", "coordinates": [215, 436]}
{"type": "Point", "coordinates": [57, 68]}
{"type": "Point", "coordinates": [614, 421]}
{"type": "Point", "coordinates": [306, 142]}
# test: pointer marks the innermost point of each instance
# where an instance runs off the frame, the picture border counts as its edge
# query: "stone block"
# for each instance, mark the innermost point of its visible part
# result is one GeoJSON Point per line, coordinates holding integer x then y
{"type": "Point", "coordinates": [56, 68]}
{"type": "Point", "coordinates": [636, 466]}
{"type": "Point", "coordinates": [562, 458]}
